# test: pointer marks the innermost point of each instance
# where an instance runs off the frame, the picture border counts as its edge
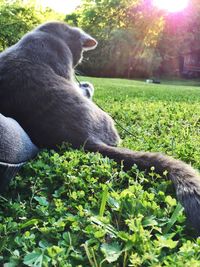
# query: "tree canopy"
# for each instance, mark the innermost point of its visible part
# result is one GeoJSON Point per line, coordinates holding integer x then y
{"type": "Point", "coordinates": [135, 38]}
{"type": "Point", "coordinates": [19, 17]}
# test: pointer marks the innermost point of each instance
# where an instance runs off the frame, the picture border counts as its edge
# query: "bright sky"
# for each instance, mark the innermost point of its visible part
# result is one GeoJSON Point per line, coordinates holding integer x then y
{"type": "Point", "coordinates": [68, 6]}
{"type": "Point", "coordinates": [171, 5]}
{"type": "Point", "coordinates": [62, 6]}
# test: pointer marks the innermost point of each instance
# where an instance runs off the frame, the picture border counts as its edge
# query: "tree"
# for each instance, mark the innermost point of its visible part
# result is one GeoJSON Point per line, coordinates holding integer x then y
{"type": "Point", "coordinates": [18, 17]}
{"type": "Point", "coordinates": [135, 38]}
{"type": "Point", "coordinates": [127, 31]}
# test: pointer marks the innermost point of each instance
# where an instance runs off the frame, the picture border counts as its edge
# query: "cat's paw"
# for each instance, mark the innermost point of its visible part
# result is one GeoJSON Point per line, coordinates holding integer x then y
{"type": "Point", "coordinates": [87, 89]}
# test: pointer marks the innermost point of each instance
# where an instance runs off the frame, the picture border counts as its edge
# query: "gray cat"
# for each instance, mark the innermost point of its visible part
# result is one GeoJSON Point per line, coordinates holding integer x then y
{"type": "Point", "coordinates": [37, 89]}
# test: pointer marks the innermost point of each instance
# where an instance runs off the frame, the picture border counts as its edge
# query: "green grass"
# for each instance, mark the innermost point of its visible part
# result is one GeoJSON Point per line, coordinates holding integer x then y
{"type": "Point", "coordinates": [75, 209]}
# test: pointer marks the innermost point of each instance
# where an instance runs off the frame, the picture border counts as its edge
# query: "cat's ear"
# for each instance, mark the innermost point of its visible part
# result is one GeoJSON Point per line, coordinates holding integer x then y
{"type": "Point", "coordinates": [89, 43]}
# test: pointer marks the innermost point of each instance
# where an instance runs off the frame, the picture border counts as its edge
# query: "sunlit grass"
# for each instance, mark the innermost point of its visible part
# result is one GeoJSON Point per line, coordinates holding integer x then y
{"type": "Point", "coordinates": [71, 208]}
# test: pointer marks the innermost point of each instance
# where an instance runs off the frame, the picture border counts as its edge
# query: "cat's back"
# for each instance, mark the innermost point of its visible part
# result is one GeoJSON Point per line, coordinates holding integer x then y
{"type": "Point", "coordinates": [27, 66]}
{"type": "Point", "coordinates": [36, 47]}
{"type": "Point", "coordinates": [15, 59]}
{"type": "Point", "coordinates": [37, 90]}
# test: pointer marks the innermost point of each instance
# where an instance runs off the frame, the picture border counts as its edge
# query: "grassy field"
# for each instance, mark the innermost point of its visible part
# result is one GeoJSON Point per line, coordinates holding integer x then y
{"type": "Point", "coordinates": [76, 209]}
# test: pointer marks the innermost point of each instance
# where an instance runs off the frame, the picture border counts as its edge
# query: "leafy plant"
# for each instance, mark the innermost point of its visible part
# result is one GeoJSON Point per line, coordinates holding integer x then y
{"type": "Point", "coordinates": [71, 208]}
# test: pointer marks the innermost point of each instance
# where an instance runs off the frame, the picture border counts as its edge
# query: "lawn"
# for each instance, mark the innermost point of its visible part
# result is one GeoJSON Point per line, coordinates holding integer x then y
{"type": "Point", "coordinates": [69, 208]}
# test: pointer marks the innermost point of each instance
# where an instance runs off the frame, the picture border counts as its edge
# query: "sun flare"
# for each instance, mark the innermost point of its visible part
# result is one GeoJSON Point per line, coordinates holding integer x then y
{"type": "Point", "coordinates": [171, 5]}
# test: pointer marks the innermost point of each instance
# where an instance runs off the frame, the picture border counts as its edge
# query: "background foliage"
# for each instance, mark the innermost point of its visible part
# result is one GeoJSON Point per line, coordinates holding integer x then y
{"type": "Point", "coordinates": [137, 40]}
{"type": "Point", "coordinates": [19, 17]}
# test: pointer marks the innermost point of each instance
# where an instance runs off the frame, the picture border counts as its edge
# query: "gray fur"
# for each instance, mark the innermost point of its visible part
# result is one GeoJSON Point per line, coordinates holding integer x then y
{"type": "Point", "coordinates": [37, 89]}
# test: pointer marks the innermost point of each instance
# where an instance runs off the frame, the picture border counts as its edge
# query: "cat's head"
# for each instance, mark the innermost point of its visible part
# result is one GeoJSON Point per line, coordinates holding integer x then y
{"type": "Point", "coordinates": [76, 39]}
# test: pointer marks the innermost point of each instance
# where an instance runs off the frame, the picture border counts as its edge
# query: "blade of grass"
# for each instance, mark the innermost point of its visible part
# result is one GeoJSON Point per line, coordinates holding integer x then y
{"type": "Point", "coordinates": [173, 219]}
{"type": "Point", "coordinates": [103, 201]}
{"type": "Point", "coordinates": [89, 256]}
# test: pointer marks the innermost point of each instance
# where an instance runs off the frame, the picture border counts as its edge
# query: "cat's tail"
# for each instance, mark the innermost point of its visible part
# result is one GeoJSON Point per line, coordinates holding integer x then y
{"type": "Point", "coordinates": [185, 179]}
